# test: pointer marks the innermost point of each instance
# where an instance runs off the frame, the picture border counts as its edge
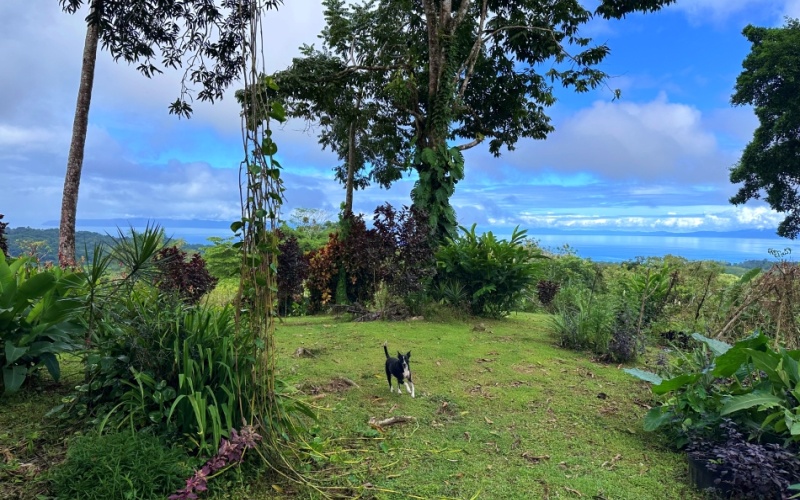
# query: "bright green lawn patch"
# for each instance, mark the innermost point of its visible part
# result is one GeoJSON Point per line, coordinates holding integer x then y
{"type": "Point", "coordinates": [501, 413]}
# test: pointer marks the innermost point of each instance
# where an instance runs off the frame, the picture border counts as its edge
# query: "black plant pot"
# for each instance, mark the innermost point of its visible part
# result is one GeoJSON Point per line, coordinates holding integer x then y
{"type": "Point", "coordinates": [704, 478]}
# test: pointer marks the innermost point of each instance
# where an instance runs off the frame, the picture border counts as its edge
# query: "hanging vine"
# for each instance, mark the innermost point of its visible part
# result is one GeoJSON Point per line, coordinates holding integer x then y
{"type": "Point", "coordinates": [272, 413]}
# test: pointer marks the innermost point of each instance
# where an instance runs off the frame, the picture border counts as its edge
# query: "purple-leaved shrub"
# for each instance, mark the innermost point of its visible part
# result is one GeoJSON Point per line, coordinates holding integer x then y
{"type": "Point", "coordinates": [231, 452]}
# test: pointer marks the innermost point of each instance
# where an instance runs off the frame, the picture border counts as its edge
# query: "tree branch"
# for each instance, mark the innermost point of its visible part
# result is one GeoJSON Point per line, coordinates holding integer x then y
{"type": "Point", "coordinates": [470, 144]}
{"type": "Point", "coordinates": [469, 64]}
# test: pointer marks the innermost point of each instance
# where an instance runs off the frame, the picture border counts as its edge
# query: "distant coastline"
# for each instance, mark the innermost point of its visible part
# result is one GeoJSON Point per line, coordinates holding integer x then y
{"type": "Point", "coordinates": [216, 225]}
{"type": "Point", "coordinates": [729, 247]}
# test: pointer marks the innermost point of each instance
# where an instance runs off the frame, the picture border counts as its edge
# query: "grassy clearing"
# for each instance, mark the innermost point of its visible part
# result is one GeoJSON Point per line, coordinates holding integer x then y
{"type": "Point", "coordinates": [501, 412]}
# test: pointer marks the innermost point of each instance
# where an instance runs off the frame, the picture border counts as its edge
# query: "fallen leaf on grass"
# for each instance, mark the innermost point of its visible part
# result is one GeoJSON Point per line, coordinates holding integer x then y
{"type": "Point", "coordinates": [611, 463]}
{"type": "Point", "coordinates": [576, 492]}
{"type": "Point", "coordinates": [530, 457]}
{"type": "Point", "coordinates": [488, 421]}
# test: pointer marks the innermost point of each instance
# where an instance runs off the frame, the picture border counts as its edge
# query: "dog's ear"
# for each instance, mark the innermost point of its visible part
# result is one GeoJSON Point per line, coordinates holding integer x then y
{"type": "Point", "coordinates": [399, 355]}
{"type": "Point", "coordinates": [408, 355]}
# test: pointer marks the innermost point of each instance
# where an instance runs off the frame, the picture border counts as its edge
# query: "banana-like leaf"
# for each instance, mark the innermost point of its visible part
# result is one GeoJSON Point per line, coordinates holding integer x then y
{"type": "Point", "coordinates": [745, 401]}
{"type": "Point", "coordinates": [644, 375]}
{"type": "Point", "coordinates": [717, 347]}
{"type": "Point", "coordinates": [674, 383]}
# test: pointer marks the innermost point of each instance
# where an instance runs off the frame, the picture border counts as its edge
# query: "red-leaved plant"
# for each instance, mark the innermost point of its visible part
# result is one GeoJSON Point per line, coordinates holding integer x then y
{"type": "Point", "coordinates": [231, 452]}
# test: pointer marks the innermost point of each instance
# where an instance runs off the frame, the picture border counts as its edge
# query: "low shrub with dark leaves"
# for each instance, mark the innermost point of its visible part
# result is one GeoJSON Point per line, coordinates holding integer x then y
{"type": "Point", "coordinates": [546, 291]}
{"type": "Point", "coordinates": [188, 278]}
{"type": "Point", "coordinates": [748, 469]}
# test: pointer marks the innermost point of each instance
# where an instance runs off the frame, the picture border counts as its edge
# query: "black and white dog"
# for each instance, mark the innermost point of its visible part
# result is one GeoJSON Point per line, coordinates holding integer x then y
{"type": "Point", "coordinates": [399, 368]}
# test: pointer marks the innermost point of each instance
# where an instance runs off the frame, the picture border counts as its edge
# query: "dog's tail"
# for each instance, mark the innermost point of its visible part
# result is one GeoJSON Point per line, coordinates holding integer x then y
{"type": "Point", "coordinates": [386, 350]}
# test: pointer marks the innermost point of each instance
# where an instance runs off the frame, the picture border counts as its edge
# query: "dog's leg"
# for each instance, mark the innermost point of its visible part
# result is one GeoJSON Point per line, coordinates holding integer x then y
{"type": "Point", "coordinates": [410, 390]}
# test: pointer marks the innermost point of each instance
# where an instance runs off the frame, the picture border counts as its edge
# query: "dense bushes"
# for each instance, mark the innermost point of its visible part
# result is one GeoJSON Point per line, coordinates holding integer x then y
{"type": "Point", "coordinates": [357, 261]}
{"type": "Point", "coordinates": [292, 272]}
{"type": "Point", "coordinates": [185, 277]}
{"type": "Point", "coordinates": [494, 273]}
{"type": "Point", "coordinates": [154, 360]}
{"type": "Point", "coordinates": [38, 309]}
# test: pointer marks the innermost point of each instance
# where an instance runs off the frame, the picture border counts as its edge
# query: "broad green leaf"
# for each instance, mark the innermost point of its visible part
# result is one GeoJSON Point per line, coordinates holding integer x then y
{"type": "Point", "coordinates": [644, 375]}
{"type": "Point", "coordinates": [729, 363]}
{"type": "Point", "coordinates": [655, 418]}
{"type": "Point", "coordinates": [717, 347]}
{"type": "Point", "coordinates": [670, 385]}
{"type": "Point", "coordinates": [36, 287]}
{"type": "Point", "coordinates": [745, 401]}
{"type": "Point", "coordinates": [13, 377]}
{"type": "Point", "coordinates": [50, 361]}
{"type": "Point", "coordinates": [768, 363]}
{"type": "Point", "coordinates": [13, 353]}
{"type": "Point", "coordinates": [790, 365]}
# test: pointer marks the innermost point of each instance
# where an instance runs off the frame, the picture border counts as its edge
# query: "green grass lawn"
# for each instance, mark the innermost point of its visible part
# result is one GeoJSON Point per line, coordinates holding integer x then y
{"type": "Point", "coordinates": [501, 412]}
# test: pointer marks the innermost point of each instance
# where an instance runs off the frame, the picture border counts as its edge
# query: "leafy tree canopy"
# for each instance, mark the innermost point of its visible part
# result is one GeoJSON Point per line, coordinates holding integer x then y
{"type": "Point", "coordinates": [445, 76]}
{"type": "Point", "coordinates": [770, 82]}
{"type": "Point", "coordinates": [205, 35]}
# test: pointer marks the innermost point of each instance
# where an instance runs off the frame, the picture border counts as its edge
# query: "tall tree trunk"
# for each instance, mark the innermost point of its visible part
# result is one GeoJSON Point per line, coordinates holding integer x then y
{"type": "Point", "coordinates": [351, 169]}
{"type": "Point", "coordinates": [72, 180]}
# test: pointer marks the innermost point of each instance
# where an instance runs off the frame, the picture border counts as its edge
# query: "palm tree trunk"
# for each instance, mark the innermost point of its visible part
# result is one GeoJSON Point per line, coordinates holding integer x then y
{"type": "Point", "coordinates": [72, 180]}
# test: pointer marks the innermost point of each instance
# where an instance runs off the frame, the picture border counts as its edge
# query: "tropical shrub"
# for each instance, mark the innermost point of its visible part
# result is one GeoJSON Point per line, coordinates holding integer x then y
{"type": "Point", "coordinates": [756, 386]}
{"type": "Point", "coordinates": [185, 277]}
{"type": "Point", "coordinates": [323, 274]}
{"type": "Point", "coordinates": [583, 320]}
{"type": "Point", "coordinates": [292, 272]}
{"type": "Point", "coordinates": [119, 465]}
{"type": "Point", "coordinates": [405, 250]}
{"type": "Point", "coordinates": [356, 261]}
{"type": "Point", "coordinates": [495, 274]}
{"type": "Point", "coordinates": [223, 260]}
{"type": "Point", "coordinates": [174, 369]}
{"type": "Point", "coordinates": [750, 469]}
{"type": "Point", "coordinates": [155, 361]}
{"type": "Point", "coordinates": [37, 312]}
{"type": "Point", "coordinates": [546, 291]}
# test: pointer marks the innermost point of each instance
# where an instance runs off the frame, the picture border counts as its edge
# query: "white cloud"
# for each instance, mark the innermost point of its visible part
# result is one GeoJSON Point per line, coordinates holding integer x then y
{"type": "Point", "coordinates": [638, 141]}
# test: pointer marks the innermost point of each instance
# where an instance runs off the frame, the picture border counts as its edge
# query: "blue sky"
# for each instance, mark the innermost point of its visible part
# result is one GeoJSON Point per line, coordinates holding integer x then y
{"type": "Point", "coordinates": [656, 159]}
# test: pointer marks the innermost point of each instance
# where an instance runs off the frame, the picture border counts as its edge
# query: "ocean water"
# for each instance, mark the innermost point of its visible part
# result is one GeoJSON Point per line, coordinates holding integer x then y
{"type": "Point", "coordinates": [600, 248]}
{"type": "Point", "coordinates": [613, 248]}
